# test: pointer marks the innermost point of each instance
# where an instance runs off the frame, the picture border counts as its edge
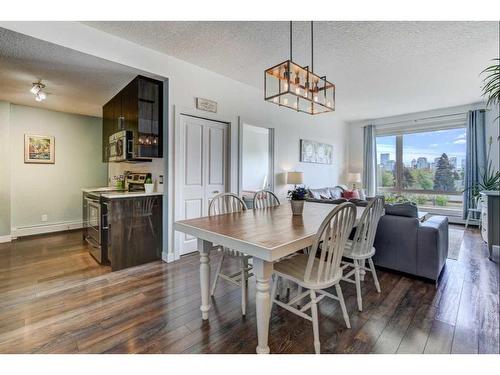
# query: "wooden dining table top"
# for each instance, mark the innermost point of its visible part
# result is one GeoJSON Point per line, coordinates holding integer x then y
{"type": "Point", "coordinates": [267, 233]}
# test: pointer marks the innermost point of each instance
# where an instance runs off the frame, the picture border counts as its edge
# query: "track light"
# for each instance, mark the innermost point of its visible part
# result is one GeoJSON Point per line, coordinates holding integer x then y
{"type": "Point", "coordinates": [37, 91]}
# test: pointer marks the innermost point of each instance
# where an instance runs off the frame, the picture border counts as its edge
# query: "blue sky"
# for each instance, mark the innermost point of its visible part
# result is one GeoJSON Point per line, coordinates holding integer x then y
{"type": "Point", "coordinates": [430, 145]}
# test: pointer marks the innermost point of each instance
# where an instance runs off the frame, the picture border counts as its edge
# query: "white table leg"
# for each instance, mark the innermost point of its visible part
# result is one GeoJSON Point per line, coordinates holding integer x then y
{"type": "Point", "coordinates": [262, 271]}
{"type": "Point", "coordinates": [204, 249]}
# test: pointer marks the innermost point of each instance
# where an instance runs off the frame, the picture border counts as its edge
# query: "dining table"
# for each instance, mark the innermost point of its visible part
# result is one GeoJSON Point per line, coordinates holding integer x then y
{"type": "Point", "coordinates": [268, 235]}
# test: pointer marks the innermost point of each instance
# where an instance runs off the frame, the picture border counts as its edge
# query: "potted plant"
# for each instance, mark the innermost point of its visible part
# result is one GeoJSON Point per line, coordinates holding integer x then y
{"type": "Point", "coordinates": [148, 185]}
{"type": "Point", "coordinates": [297, 197]}
{"type": "Point", "coordinates": [489, 179]}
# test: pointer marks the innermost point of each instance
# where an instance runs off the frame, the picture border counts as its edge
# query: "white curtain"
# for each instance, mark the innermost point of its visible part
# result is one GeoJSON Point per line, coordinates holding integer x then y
{"type": "Point", "coordinates": [370, 161]}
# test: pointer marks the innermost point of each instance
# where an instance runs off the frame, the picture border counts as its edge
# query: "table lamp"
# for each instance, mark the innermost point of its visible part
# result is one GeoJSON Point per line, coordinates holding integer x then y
{"type": "Point", "coordinates": [295, 178]}
{"type": "Point", "coordinates": [354, 178]}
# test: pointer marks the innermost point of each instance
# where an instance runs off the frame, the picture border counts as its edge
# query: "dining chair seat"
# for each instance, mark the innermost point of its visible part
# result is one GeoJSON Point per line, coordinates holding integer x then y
{"type": "Point", "coordinates": [350, 252]}
{"type": "Point", "coordinates": [293, 268]}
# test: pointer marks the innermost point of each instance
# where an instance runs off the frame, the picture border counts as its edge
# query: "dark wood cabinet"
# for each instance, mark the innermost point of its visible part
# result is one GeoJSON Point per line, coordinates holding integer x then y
{"type": "Point", "coordinates": [138, 107]}
{"type": "Point", "coordinates": [133, 238]}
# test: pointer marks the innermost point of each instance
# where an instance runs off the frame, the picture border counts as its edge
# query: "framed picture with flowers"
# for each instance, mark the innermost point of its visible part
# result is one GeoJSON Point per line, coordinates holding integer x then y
{"type": "Point", "coordinates": [39, 149]}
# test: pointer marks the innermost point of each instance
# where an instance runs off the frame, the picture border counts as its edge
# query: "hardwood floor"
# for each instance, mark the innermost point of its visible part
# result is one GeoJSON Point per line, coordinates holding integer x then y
{"type": "Point", "coordinates": [54, 298]}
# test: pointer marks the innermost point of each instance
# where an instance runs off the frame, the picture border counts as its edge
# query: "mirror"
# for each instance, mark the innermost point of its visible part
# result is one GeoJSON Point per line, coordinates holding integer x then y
{"type": "Point", "coordinates": [256, 159]}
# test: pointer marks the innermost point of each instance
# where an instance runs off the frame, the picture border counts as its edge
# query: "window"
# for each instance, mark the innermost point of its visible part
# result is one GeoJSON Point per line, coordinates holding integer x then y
{"type": "Point", "coordinates": [425, 167]}
{"type": "Point", "coordinates": [386, 162]}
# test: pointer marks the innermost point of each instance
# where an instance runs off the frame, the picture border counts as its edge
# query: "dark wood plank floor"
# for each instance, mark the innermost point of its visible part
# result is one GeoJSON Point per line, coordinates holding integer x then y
{"type": "Point", "coordinates": [54, 298]}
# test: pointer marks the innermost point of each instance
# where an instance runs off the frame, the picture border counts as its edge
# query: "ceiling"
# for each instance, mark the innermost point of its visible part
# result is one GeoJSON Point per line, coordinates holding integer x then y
{"type": "Point", "coordinates": [76, 82]}
{"type": "Point", "coordinates": [379, 68]}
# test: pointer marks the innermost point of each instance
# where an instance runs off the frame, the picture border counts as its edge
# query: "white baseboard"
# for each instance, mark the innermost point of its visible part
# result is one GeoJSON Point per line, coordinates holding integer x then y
{"type": "Point", "coordinates": [167, 257]}
{"type": "Point", "coordinates": [6, 238]}
{"type": "Point", "coordinates": [46, 228]}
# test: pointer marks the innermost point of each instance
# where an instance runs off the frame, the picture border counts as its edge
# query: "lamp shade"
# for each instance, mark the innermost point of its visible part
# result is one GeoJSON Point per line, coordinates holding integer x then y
{"type": "Point", "coordinates": [354, 177]}
{"type": "Point", "coordinates": [295, 178]}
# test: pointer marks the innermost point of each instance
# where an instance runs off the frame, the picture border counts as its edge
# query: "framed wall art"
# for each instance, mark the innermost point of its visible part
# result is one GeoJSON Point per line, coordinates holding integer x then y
{"type": "Point", "coordinates": [315, 152]}
{"type": "Point", "coordinates": [39, 149]}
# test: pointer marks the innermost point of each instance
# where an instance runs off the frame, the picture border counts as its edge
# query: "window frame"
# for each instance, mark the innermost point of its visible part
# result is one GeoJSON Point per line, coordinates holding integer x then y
{"type": "Point", "coordinates": [399, 166]}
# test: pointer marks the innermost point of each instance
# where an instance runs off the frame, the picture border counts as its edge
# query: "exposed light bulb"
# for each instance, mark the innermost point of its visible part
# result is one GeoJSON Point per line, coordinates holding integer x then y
{"type": "Point", "coordinates": [285, 86]}
{"type": "Point", "coordinates": [315, 98]}
{"type": "Point", "coordinates": [297, 90]}
{"type": "Point", "coordinates": [35, 89]}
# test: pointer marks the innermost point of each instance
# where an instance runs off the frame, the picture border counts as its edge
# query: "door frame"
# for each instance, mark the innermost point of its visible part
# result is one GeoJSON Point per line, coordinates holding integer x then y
{"type": "Point", "coordinates": [175, 188]}
{"type": "Point", "coordinates": [272, 157]}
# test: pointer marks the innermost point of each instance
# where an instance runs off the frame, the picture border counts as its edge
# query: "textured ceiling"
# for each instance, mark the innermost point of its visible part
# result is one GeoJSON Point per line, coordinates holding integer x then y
{"type": "Point", "coordinates": [379, 68]}
{"type": "Point", "coordinates": [76, 82]}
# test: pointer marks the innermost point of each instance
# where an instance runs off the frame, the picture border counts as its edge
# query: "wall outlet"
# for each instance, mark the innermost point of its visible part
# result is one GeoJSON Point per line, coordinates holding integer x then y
{"type": "Point", "coordinates": [44, 217]}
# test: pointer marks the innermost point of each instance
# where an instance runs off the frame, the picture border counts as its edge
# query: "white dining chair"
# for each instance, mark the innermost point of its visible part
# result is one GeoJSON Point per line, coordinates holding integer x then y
{"type": "Point", "coordinates": [225, 203]}
{"type": "Point", "coordinates": [360, 249]}
{"type": "Point", "coordinates": [265, 198]}
{"type": "Point", "coordinates": [318, 273]}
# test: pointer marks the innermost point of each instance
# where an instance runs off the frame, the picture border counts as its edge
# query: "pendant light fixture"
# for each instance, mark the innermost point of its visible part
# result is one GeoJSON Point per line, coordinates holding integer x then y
{"type": "Point", "coordinates": [298, 87]}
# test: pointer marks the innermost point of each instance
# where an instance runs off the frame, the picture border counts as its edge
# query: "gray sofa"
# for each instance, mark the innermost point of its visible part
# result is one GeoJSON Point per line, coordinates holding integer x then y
{"type": "Point", "coordinates": [405, 244]}
{"type": "Point", "coordinates": [332, 195]}
{"type": "Point", "coordinates": [402, 242]}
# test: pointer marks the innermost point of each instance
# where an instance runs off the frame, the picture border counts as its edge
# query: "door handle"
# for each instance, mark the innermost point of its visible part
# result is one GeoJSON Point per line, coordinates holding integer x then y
{"type": "Point", "coordinates": [215, 192]}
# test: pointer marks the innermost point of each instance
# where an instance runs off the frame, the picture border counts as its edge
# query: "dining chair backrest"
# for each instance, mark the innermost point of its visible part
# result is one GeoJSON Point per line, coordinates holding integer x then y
{"type": "Point", "coordinates": [265, 198]}
{"type": "Point", "coordinates": [143, 207]}
{"type": "Point", "coordinates": [330, 241]}
{"type": "Point", "coordinates": [367, 227]}
{"type": "Point", "coordinates": [225, 203]}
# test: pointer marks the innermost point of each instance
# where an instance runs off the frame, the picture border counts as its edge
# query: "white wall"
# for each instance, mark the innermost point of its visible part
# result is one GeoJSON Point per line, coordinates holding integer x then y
{"type": "Point", "coordinates": [187, 81]}
{"type": "Point", "coordinates": [4, 171]}
{"type": "Point", "coordinates": [53, 189]}
{"type": "Point", "coordinates": [356, 129]}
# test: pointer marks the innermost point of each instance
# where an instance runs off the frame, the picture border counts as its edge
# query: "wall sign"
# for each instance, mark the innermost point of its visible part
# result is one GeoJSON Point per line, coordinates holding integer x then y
{"type": "Point", "coordinates": [315, 152]}
{"type": "Point", "coordinates": [206, 105]}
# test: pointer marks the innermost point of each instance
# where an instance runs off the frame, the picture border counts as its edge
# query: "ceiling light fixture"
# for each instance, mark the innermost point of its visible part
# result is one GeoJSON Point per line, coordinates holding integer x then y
{"type": "Point", "coordinates": [37, 90]}
{"type": "Point", "coordinates": [298, 87]}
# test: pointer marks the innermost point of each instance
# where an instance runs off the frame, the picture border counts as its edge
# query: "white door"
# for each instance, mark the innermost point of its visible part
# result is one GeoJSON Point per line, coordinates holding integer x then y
{"type": "Point", "coordinates": [201, 171]}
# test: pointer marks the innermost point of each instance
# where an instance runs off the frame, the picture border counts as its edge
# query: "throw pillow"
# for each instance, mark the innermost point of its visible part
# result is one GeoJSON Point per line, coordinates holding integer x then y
{"type": "Point", "coordinates": [335, 192]}
{"type": "Point", "coordinates": [350, 194]}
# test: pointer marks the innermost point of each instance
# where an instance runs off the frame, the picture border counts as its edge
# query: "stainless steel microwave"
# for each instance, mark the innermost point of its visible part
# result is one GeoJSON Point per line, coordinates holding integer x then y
{"type": "Point", "coordinates": [121, 145]}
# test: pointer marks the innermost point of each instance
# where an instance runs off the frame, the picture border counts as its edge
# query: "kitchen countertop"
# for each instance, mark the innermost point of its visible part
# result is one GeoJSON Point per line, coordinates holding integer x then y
{"type": "Point", "coordinates": [107, 188]}
{"type": "Point", "coordinates": [128, 194]}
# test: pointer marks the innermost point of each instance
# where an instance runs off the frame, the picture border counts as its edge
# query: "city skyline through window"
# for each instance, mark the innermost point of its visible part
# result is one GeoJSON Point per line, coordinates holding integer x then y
{"type": "Point", "coordinates": [427, 167]}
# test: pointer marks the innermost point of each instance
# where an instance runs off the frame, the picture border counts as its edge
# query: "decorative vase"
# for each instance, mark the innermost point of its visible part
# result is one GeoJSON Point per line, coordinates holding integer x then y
{"type": "Point", "coordinates": [297, 207]}
{"type": "Point", "coordinates": [148, 188]}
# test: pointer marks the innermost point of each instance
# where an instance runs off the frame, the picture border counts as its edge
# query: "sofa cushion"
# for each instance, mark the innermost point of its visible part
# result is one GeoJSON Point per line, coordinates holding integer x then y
{"type": "Point", "coordinates": [401, 209]}
{"type": "Point", "coordinates": [335, 192]}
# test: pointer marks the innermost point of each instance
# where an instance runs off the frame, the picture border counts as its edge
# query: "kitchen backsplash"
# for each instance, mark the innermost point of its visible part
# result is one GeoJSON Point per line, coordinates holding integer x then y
{"type": "Point", "coordinates": [156, 168]}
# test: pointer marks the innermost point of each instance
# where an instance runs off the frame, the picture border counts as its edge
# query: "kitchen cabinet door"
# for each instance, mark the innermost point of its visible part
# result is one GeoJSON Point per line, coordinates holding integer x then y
{"type": "Point", "coordinates": [107, 128]}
